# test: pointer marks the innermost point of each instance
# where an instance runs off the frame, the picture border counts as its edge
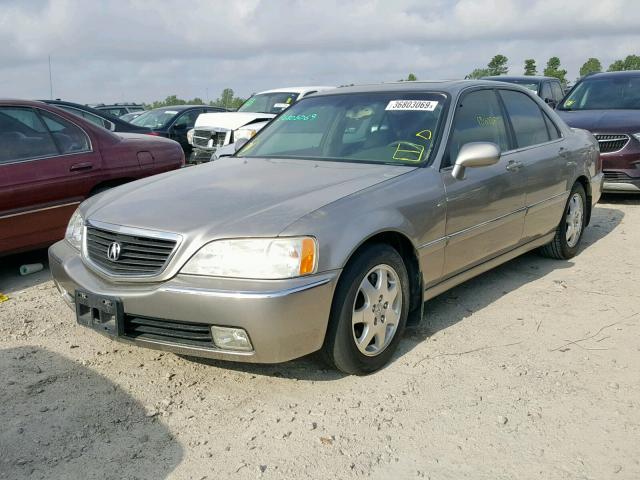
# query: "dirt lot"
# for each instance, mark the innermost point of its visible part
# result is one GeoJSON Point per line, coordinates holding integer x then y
{"type": "Point", "coordinates": [529, 371]}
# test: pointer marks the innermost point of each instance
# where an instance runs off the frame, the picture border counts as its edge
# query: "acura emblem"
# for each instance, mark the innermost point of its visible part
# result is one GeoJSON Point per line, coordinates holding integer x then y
{"type": "Point", "coordinates": [113, 252]}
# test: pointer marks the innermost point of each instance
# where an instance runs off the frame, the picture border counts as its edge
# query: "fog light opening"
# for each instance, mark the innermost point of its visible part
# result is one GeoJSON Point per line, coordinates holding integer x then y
{"type": "Point", "coordinates": [227, 338]}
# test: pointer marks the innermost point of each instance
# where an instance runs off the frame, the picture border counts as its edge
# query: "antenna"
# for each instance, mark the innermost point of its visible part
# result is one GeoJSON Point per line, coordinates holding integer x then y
{"type": "Point", "coordinates": [50, 82]}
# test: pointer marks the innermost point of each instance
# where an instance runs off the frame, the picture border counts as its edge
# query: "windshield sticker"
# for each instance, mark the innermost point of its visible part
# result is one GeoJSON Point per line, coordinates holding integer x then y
{"type": "Point", "coordinates": [569, 102]}
{"type": "Point", "coordinates": [425, 134]}
{"type": "Point", "coordinates": [171, 112]}
{"type": "Point", "coordinates": [487, 121]}
{"type": "Point", "coordinates": [424, 105]}
{"type": "Point", "coordinates": [289, 100]}
{"type": "Point", "coordinates": [281, 105]}
{"type": "Point", "coordinates": [408, 152]}
{"type": "Point", "coordinates": [303, 118]}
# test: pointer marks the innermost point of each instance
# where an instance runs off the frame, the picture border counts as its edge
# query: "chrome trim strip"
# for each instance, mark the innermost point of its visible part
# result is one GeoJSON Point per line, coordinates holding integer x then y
{"type": "Point", "coordinates": [243, 294]}
{"type": "Point", "coordinates": [432, 243]}
{"type": "Point", "coordinates": [484, 224]}
{"type": "Point", "coordinates": [553, 197]}
{"type": "Point", "coordinates": [39, 210]}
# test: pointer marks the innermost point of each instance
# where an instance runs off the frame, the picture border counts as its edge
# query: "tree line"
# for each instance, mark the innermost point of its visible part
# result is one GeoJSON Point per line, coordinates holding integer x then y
{"type": "Point", "coordinates": [498, 66]}
{"type": "Point", "coordinates": [227, 99]}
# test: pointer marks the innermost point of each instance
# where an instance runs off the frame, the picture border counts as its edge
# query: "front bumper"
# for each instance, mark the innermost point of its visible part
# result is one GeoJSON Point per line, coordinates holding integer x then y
{"type": "Point", "coordinates": [284, 319]}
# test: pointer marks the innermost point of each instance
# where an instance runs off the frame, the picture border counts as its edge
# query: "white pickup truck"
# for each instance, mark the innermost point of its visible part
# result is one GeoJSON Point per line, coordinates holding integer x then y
{"type": "Point", "coordinates": [215, 130]}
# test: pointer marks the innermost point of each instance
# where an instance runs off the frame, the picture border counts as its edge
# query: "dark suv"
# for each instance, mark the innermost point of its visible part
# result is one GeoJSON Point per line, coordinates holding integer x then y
{"type": "Point", "coordinates": [608, 104]}
{"type": "Point", "coordinates": [547, 88]}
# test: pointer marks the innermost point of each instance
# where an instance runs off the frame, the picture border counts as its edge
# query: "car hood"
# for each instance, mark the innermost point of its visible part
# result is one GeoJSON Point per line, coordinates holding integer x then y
{"type": "Point", "coordinates": [234, 197]}
{"type": "Point", "coordinates": [229, 120]}
{"type": "Point", "coordinates": [603, 121]}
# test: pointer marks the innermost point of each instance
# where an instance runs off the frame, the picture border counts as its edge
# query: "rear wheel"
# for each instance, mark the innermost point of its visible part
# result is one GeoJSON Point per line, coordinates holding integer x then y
{"type": "Point", "coordinates": [369, 311]}
{"type": "Point", "coordinates": [569, 233]}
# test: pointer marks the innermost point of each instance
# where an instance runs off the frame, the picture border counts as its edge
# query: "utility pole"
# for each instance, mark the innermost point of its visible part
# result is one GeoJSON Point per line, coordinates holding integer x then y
{"type": "Point", "coordinates": [50, 82]}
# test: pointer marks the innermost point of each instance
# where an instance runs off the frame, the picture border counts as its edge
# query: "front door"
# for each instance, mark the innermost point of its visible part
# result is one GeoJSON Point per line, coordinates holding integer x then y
{"type": "Point", "coordinates": [485, 211]}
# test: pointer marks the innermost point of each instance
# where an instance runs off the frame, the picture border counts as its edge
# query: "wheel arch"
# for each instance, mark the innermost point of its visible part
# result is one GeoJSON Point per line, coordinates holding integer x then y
{"type": "Point", "coordinates": [99, 187]}
{"type": "Point", "coordinates": [586, 184]}
{"type": "Point", "coordinates": [407, 250]}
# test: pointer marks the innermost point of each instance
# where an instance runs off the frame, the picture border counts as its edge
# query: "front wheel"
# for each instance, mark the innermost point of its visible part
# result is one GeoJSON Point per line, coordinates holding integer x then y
{"type": "Point", "coordinates": [369, 311]}
{"type": "Point", "coordinates": [569, 233]}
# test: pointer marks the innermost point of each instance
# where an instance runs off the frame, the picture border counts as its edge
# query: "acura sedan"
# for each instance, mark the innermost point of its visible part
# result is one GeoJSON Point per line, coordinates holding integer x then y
{"type": "Point", "coordinates": [329, 229]}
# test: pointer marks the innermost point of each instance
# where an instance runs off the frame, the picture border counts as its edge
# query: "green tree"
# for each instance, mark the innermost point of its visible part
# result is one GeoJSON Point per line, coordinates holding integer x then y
{"type": "Point", "coordinates": [410, 78]}
{"type": "Point", "coordinates": [478, 73]}
{"type": "Point", "coordinates": [631, 62]}
{"type": "Point", "coordinates": [592, 65]}
{"type": "Point", "coordinates": [553, 70]}
{"type": "Point", "coordinates": [227, 99]}
{"type": "Point", "coordinates": [498, 65]}
{"type": "Point", "coordinates": [530, 67]}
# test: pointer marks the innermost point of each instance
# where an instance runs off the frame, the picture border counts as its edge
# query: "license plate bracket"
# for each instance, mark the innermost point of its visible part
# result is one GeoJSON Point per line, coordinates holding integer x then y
{"type": "Point", "coordinates": [100, 312]}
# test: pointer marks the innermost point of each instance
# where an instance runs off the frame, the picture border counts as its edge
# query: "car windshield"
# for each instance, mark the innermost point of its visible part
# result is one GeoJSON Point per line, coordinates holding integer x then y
{"type": "Point", "coordinates": [393, 128]}
{"type": "Point", "coordinates": [274, 102]}
{"type": "Point", "coordinates": [595, 93]}
{"type": "Point", "coordinates": [155, 118]}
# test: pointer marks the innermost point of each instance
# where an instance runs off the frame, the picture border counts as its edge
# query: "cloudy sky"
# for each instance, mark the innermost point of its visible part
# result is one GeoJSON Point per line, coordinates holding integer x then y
{"type": "Point", "coordinates": [137, 50]}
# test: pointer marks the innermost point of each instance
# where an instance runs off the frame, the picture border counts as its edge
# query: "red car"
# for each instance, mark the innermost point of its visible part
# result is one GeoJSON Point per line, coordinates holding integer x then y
{"type": "Point", "coordinates": [51, 160]}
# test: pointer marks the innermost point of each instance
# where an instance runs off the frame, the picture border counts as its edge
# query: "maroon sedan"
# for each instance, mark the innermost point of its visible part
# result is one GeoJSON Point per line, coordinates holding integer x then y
{"type": "Point", "coordinates": [51, 160]}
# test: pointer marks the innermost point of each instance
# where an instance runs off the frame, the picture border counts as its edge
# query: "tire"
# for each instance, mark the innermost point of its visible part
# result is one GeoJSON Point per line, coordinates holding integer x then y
{"type": "Point", "coordinates": [360, 348]}
{"type": "Point", "coordinates": [564, 246]}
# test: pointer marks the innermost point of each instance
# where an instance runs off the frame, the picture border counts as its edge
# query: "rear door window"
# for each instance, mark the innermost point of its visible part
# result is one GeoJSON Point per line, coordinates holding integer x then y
{"type": "Point", "coordinates": [546, 91]}
{"type": "Point", "coordinates": [526, 118]}
{"type": "Point", "coordinates": [68, 137]}
{"type": "Point", "coordinates": [23, 135]}
{"type": "Point", "coordinates": [556, 89]}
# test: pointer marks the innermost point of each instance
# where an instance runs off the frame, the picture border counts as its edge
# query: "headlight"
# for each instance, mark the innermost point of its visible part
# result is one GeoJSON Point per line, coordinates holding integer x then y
{"type": "Point", "coordinates": [247, 133]}
{"type": "Point", "coordinates": [190, 136]}
{"type": "Point", "coordinates": [75, 230]}
{"type": "Point", "coordinates": [637, 135]}
{"type": "Point", "coordinates": [260, 258]}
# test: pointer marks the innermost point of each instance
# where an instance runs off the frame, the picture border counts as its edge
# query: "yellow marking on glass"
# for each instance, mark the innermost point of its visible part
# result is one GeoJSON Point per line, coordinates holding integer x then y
{"type": "Point", "coordinates": [289, 100]}
{"type": "Point", "coordinates": [487, 120]}
{"type": "Point", "coordinates": [408, 152]}
{"type": "Point", "coordinates": [569, 102]}
{"type": "Point", "coordinates": [426, 134]}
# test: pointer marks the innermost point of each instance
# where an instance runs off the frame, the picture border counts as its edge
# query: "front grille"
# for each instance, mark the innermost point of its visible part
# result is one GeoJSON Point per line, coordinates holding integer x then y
{"type": "Point", "coordinates": [201, 138]}
{"type": "Point", "coordinates": [616, 177]}
{"type": "Point", "coordinates": [612, 142]}
{"type": "Point", "coordinates": [138, 255]}
{"type": "Point", "coordinates": [183, 333]}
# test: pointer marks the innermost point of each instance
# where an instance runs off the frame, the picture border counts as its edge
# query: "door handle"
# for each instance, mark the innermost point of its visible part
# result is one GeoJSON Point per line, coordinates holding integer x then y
{"type": "Point", "coordinates": [81, 166]}
{"type": "Point", "coordinates": [514, 166]}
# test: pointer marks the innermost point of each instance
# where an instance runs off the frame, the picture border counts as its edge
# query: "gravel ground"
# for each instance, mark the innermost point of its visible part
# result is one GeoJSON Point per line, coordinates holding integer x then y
{"type": "Point", "coordinates": [529, 371]}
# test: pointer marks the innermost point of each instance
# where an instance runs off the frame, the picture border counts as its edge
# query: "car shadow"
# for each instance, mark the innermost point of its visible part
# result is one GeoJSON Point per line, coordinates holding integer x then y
{"type": "Point", "coordinates": [473, 295]}
{"type": "Point", "coordinates": [10, 278]}
{"type": "Point", "coordinates": [62, 420]}
{"type": "Point", "coordinates": [445, 310]}
{"type": "Point", "coordinates": [620, 199]}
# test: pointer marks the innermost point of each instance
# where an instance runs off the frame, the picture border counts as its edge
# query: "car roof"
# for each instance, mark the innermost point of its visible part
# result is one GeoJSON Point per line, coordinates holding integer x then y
{"type": "Point", "coordinates": [624, 73]}
{"type": "Point", "coordinates": [538, 78]}
{"type": "Point", "coordinates": [296, 89]}
{"type": "Point", "coordinates": [86, 108]}
{"type": "Point", "coordinates": [180, 108]}
{"type": "Point", "coordinates": [447, 86]}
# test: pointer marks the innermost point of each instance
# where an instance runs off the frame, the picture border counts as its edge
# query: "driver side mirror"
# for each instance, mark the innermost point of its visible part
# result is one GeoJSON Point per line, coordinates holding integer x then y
{"type": "Point", "coordinates": [551, 102]}
{"type": "Point", "coordinates": [180, 127]}
{"type": "Point", "coordinates": [474, 155]}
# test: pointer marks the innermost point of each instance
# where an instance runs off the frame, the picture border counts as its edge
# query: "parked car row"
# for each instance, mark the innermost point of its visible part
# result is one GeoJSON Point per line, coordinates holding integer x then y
{"type": "Point", "coordinates": [349, 208]}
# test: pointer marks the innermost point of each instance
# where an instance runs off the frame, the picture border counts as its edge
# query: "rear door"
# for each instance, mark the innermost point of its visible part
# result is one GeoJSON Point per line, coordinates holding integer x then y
{"type": "Point", "coordinates": [47, 167]}
{"type": "Point", "coordinates": [539, 147]}
{"type": "Point", "coordinates": [485, 211]}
